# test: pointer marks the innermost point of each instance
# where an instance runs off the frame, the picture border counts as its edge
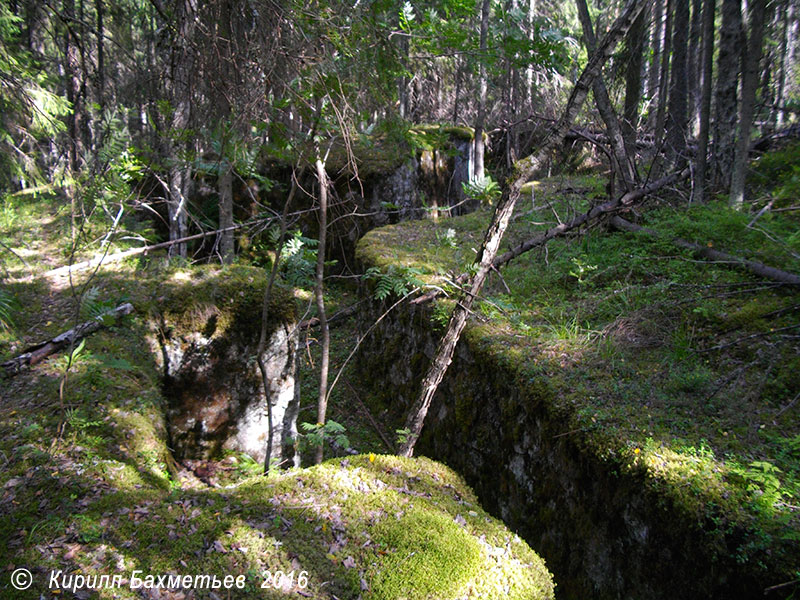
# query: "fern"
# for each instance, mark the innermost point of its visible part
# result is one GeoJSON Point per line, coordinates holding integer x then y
{"type": "Point", "coordinates": [8, 306]}
{"type": "Point", "coordinates": [92, 307]}
{"type": "Point", "coordinates": [397, 281]}
{"type": "Point", "coordinates": [486, 190]}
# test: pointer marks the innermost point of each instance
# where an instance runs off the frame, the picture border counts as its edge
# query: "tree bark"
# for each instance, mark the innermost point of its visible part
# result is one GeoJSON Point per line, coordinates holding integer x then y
{"type": "Point", "coordinates": [750, 79]}
{"type": "Point", "coordinates": [624, 167]}
{"type": "Point", "coordinates": [224, 92]}
{"type": "Point", "coordinates": [694, 62]}
{"type": "Point", "coordinates": [262, 340]}
{"type": "Point", "coordinates": [74, 126]}
{"type": "Point", "coordinates": [633, 84]}
{"type": "Point", "coordinates": [678, 89]}
{"type": "Point", "coordinates": [728, 64]}
{"type": "Point", "coordinates": [483, 84]}
{"type": "Point", "coordinates": [180, 88]}
{"type": "Point", "coordinates": [101, 68]}
{"type": "Point", "coordinates": [701, 177]}
{"type": "Point", "coordinates": [777, 115]}
{"type": "Point", "coordinates": [654, 71]}
{"type": "Point", "coordinates": [502, 214]}
{"type": "Point", "coordinates": [661, 113]}
{"type": "Point", "coordinates": [226, 213]}
{"type": "Point", "coordinates": [322, 398]}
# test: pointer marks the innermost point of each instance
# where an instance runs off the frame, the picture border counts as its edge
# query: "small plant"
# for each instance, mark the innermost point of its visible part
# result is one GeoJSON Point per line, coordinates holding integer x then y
{"type": "Point", "coordinates": [65, 362]}
{"type": "Point", "coordinates": [486, 190]}
{"type": "Point", "coordinates": [92, 307]}
{"type": "Point", "coordinates": [397, 281]}
{"type": "Point", "coordinates": [440, 315]}
{"type": "Point", "coordinates": [762, 481]}
{"type": "Point", "coordinates": [316, 434]}
{"type": "Point", "coordinates": [299, 256]}
{"type": "Point", "coordinates": [581, 269]}
{"type": "Point", "coordinates": [447, 238]}
{"type": "Point", "coordinates": [8, 306]}
{"type": "Point", "coordinates": [402, 435]}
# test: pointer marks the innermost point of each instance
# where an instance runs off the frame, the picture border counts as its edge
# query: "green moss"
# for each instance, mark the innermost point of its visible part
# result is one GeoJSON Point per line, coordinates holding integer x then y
{"type": "Point", "coordinates": [429, 556]}
{"type": "Point", "coordinates": [213, 300]}
{"type": "Point", "coordinates": [605, 339]}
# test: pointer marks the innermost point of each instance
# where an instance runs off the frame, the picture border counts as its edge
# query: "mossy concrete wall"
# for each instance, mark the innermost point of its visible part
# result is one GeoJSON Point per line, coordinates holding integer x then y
{"type": "Point", "coordinates": [207, 325]}
{"type": "Point", "coordinates": [604, 532]}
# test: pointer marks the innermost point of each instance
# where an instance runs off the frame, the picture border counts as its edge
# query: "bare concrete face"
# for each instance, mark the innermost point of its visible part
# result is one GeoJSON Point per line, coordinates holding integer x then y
{"type": "Point", "coordinates": [212, 384]}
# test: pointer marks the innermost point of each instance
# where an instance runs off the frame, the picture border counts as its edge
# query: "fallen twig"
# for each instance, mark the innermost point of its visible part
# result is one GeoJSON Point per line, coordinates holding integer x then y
{"type": "Point", "coordinates": [37, 353]}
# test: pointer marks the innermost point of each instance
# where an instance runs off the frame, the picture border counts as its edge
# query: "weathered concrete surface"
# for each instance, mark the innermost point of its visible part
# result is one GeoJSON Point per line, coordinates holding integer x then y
{"type": "Point", "coordinates": [604, 531]}
{"type": "Point", "coordinates": [206, 331]}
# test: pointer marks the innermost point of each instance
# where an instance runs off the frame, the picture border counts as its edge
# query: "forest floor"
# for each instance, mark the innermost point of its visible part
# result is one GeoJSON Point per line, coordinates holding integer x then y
{"type": "Point", "coordinates": [89, 489]}
{"type": "Point", "coordinates": [684, 367]}
{"type": "Point", "coordinates": [658, 359]}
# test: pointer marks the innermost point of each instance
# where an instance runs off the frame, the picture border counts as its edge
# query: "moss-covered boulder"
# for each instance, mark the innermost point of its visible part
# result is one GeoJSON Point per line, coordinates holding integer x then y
{"type": "Point", "coordinates": [207, 327]}
{"type": "Point", "coordinates": [384, 528]}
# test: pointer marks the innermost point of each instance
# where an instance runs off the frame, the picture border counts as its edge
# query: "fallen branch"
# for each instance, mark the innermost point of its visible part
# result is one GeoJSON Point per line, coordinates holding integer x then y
{"type": "Point", "coordinates": [88, 264]}
{"type": "Point", "coordinates": [594, 214]}
{"type": "Point", "coordinates": [757, 268]}
{"type": "Point", "coordinates": [341, 315]}
{"type": "Point", "coordinates": [372, 420]}
{"type": "Point", "coordinates": [37, 353]}
{"type": "Point", "coordinates": [760, 334]}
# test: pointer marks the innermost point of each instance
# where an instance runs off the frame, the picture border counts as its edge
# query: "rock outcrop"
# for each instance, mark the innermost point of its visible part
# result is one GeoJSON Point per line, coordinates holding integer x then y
{"type": "Point", "coordinates": [207, 328]}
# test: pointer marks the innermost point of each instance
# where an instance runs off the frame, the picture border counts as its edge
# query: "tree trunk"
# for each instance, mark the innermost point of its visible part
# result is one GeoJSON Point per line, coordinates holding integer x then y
{"type": "Point", "coordinates": [624, 167]}
{"type": "Point", "coordinates": [661, 113]}
{"type": "Point", "coordinates": [705, 100]}
{"type": "Point", "coordinates": [502, 214]}
{"type": "Point", "coordinates": [678, 92]}
{"type": "Point", "coordinates": [728, 64]}
{"type": "Point", "coordinates": [101, 80]}
{"type": "Point", "coordinates": [180, 82]}
{"type": "Point", "coordinates": [322, 398]}
{"type": "Point", "coordinates": [750, 79]}
{"type": "Point", "coordinates": [458, 90]}
{"type": "Point", "coordinates": [633, 84]}
{"type": "Point", "coordinates": [654, 72]}
{"type": "Point", "coordinates": [482, 92]}
{"type": "Point", "coordinates": [262, 340]}
{"type": "Point", "coordinates": [74, 125]}
{"type": "Point", "coordinates": [225, 183]}
{"type": "Point", "coordinates": [226, 212]}
{"type": "Point", "coordinates": [777, 116]}
{"type": "Point", "coordinates": [694, 63]}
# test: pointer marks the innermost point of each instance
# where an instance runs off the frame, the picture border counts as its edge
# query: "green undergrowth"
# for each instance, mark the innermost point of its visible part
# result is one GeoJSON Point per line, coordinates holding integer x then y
{"type": "Point", "coordinates": [657, 362]}
{"type": "Point", "coordinates": [88, 486]}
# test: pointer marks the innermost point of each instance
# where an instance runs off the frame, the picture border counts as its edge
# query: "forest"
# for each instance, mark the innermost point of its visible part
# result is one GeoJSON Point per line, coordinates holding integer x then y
{"type": "Point", "coordinates": [389, 300]}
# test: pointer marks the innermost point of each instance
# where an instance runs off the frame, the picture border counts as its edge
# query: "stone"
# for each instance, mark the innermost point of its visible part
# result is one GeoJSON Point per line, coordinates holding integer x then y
{"type": "Point", "coordinates": [207, 332]}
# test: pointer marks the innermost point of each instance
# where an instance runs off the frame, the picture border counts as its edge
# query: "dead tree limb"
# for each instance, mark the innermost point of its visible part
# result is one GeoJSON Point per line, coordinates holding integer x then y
{"type": "Point", "coordinates": [341, 315]}
{"type": "Point", "coordinates": [592, 215]}
{"type": "Point", "coordinates": [708, 253]}
{"type": "Point", "coordinates": [93, 262]}
{"type": "Point", "coordinates": [523, 171]}
{"type": "Point", "coordinates": [37, 353]}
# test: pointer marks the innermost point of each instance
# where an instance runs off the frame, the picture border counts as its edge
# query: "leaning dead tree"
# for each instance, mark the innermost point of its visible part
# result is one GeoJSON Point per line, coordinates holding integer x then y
{"type": "Point", "coordinates": [524, 170]}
